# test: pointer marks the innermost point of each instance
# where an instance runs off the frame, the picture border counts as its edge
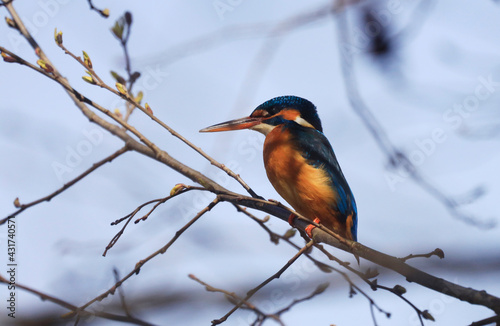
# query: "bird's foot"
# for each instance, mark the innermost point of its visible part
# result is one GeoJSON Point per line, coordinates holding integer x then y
{"type": "Point", "coordinates": [310, 227]}
{"type": "Point", "coordinates": [291, 218]}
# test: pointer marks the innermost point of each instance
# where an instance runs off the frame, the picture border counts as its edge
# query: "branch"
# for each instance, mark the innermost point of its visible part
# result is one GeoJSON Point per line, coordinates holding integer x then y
{"type": "Point", "coordinates": [81, 103]}
{"type": "Point", "coordinates": [397, 159]}
{"type": "Point", "coordinates": [233, 298]}
{"type": "Point", "coordinates": [75, 311]}
{"type": "Point", "coordinates": [126, 96]}
{"type": "Point", "coordinates": [104, 12]}
{"type": "Point", "coordinates": [261, 285]}
{"type": "Point", "coordinates": [437, 252]}
{"type": "Point", "coordinates": [487, 321]}
{"type": "Point", "coordinates": [162, 250]}
{"type": "Point", "coordinates": [95, 166]}
{"type": "Point", "coordinates": [175, 192]}
{"type": "Point", "coordinates": [477, 297]}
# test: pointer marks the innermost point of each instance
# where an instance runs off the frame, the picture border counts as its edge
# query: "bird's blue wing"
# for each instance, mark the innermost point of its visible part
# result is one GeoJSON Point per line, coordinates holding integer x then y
{"type": "Point", "coordinates": [319, 153]}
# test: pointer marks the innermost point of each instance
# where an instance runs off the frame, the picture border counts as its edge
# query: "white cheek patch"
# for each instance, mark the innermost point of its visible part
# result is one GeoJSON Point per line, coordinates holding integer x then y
{"type": "Point", "coordinates": [263, 128]}
{"type": "Point", "coordinates": [303, 122]}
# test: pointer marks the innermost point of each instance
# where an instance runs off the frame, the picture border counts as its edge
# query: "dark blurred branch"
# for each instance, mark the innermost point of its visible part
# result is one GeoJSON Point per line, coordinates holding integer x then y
{"type": "Point", "coordinates": [130, 216]}
{"type": "Point", "coordinates": [75, 311]}
{"type": "Point", "coordinates": [397, 159]}
{"type": "Point", "coordinates": [121, 293]}
{"type": "Point", "coordinates": [235, 299]}
{"type": "Point", "coordinates": [488, 321]}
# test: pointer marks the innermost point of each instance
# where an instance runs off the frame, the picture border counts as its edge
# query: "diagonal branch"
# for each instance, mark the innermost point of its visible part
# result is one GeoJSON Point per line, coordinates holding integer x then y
{"type": "Point", "coordinates": [477, 297]}
{"type": "Point", "coordinates": [162, 250]}
{"type": "Point", "coordinates": [267, 281]}
{"type": "Point", "coordinates": [73, 308]}
{"type": "Point", "coordinates": [95, 166]}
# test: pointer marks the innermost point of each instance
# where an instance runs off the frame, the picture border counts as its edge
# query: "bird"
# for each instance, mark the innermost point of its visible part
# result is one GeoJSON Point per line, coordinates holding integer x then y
{"type": "Point", "coordinates": [300, 162]}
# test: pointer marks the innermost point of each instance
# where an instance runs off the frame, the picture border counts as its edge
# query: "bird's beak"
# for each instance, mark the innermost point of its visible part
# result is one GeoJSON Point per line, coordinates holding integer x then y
{"type": "Point", "coordinates": [237, 124]}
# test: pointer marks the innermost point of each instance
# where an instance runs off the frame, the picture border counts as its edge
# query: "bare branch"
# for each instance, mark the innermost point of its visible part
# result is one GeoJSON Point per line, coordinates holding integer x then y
{"type": "Point", "coordinates": [162, 250]}
{"type": "Point", "coordinates": [487, 321]}
{"type": "Point", "coordinates": [95, 166]}
{"type": "Point", "coordinates": [437, 252]}
{"type": "Point", "coordinates": [412, 274]}
{"type": "Point", "coordinates": [235, 299]}
{"type": "Point", "coordinates": [104, 12]}
{"type": "Point", "coordinates": [130, 216]}
{"type": "Point", "coordinates": [75, 311]}
{"type": "Point", "coordinates": [261, 285]}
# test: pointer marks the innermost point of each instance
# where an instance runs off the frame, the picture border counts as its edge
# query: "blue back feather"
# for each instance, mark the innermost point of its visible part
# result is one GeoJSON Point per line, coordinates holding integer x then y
{"type": "Point", "coordinates": [316, 149]}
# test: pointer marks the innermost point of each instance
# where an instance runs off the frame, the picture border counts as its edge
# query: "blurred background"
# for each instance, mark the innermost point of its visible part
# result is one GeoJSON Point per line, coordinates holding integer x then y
{"type": "Point", "coordinates": [427, 71]}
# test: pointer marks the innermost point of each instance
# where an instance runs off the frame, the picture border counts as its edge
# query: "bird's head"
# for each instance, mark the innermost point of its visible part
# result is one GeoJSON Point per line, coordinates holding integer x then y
{"type": "Point", "coordinates": [275, 112]}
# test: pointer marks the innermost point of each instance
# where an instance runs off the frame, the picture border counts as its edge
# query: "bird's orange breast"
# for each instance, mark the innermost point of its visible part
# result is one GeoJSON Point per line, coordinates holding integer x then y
{"type": "Point", "coordinates": [307, 188]}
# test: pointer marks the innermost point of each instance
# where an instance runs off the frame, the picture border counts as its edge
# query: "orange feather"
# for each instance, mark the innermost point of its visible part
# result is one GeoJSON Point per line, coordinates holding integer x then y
{"type": "Point", "coordinates": [305, 187]}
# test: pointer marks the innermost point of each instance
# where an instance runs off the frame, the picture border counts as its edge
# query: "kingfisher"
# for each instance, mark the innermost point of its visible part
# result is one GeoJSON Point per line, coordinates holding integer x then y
{"type": "Point", "coordinates": [300, 162]}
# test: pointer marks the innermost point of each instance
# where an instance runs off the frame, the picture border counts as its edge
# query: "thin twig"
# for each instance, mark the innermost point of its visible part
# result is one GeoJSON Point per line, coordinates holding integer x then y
{"type": "Point", "coordinates": [102, 12]}
{"type": "Point", "coordinates": [130, 216]}
{"type": "Point", "coordinates": [436, 252]}
{"type": "Point", "coordinates": [98, 81]}
{"type": "Point", "coordinates": [22, 207]}
{"type": "Point", "coordinates": [75, 311]}
{"type": "Point", "coordinates": [234, 298]}
{"type": "Point", "coordinates": [162, 250]}
{"type": "Point", "coordinates": [261, 285]}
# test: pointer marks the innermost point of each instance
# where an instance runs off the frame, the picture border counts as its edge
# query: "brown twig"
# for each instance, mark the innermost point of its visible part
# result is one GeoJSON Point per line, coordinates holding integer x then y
{"type": "Point", "coordinates": [235, 299]}
{"type": "Point", "coordinates": [130, 216]}
{"type": "Point", "coordinates": [162, 250]}
{"type": "Point", "coordinates": [126, 96]}
{"type": "Point", "coordinates": [75, 311]}
{"type": "Point", "coordinates": [22, 207]}
{"type": "Point", "coordinates": [104, 12]}
{"type": "Point", "coordinates": [261, 285]}
{"type": "Point", "coordinates": [436, 252]}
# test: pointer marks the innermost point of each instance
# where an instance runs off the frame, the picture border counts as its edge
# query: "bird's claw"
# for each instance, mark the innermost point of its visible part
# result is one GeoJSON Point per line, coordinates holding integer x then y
{"type": "Point", "coordinates": [310, 227]}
